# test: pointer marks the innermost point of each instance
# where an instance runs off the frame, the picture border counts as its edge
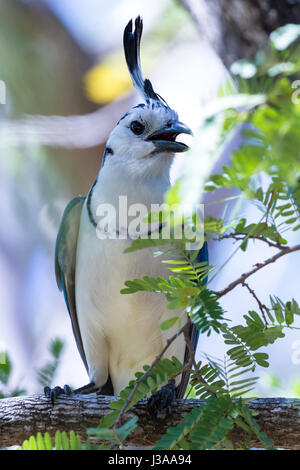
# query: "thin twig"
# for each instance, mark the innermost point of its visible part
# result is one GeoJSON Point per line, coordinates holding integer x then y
{"type": "Point", "coordinates": [269, 205]}
{"type": "Point", "coordinates": [193, 360]}
{"type": "Point", "coordinates": [257, 267]}
{"type": "Point", "coordinates": [242, 236]}
{"type": "Point", "coordinates": [262, 307]}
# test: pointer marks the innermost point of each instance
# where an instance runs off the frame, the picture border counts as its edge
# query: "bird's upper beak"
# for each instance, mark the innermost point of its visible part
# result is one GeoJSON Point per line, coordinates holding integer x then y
{"type": "Point", "coordinates": [164, 139]}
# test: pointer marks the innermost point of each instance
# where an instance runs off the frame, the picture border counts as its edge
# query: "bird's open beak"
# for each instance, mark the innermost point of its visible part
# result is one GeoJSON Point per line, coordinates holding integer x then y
{"type": "Point", "coordinates": [165, 139]}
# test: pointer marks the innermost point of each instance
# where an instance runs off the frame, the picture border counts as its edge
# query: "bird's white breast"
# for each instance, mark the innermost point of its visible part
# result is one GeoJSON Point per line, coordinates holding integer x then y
{"type": "Point", "coordinates": [120, 333]}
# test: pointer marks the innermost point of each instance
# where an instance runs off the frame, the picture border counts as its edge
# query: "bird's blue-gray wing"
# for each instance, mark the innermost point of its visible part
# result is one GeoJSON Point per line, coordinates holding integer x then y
{"type": "Point", "coordinates": [65, 263]}
{"type": "Point", "coordinates": [194, 332]}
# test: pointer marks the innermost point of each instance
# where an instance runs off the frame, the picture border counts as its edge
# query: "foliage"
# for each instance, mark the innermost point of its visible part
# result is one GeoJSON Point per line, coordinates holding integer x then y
{"type": "Point", "coordinates": [47, 373]}
{"type": "Point", "coordinates": [202, 428]}
{"type": "Point", "coordinates": [61, 442]}
{"type": "Point", "coordinates": [163, 371]}
{"type": "Point", "coordinates": [5, 377]}
{"type": "Point", "coordinates": [265, 169]}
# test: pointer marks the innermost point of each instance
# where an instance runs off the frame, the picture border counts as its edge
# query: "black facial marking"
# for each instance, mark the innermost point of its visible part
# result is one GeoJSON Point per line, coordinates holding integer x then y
{"type": "Point", "coordinates": [141, 105]}
{"type": "Point", "coordinates": [107, 151]}
{"type": "Point", "coordinates": [89, 202]}
{"type": "Point", "coordinates": [123, 117]}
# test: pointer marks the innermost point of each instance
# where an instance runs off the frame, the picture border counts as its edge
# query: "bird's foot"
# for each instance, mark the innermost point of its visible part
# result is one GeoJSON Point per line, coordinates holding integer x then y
{"type": "Point", "coordinates": [53, 393]}
{"type": "Point", "coordinates": [160, 404]}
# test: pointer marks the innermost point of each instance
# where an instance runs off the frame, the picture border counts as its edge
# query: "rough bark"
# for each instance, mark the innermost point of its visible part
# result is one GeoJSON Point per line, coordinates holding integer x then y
{"type": "Point", "coordinates": [238, 28]}
{"type": "Point", "coordinates": [22, 417]}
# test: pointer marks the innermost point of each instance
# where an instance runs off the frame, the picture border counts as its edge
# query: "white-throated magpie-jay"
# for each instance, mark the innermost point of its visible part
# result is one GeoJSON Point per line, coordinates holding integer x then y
{"type": "Point", "coordinates": [116, 335]}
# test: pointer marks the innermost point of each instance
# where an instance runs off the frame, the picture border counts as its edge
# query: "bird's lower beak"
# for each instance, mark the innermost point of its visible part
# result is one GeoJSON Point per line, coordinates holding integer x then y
{"type": "Point", "coordinates": [165, 139]}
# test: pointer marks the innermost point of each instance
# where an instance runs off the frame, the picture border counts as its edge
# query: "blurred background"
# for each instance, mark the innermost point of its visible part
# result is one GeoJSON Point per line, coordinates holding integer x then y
{"type": "Point", "coordinates": [66, 86]}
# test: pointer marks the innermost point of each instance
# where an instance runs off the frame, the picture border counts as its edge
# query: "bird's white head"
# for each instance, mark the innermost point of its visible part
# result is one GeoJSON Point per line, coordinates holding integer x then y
{"type": "Point", "coordinates": [145, 137]}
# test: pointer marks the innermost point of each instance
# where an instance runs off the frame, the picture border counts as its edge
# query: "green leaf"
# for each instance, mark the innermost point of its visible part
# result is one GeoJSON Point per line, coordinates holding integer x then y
{"type": "Point", "coordinates": [58, 441]}
{"type": "Point", "coordinates": [244, 68]}
{"type": "Point", "coordinates": [56, 347]}
{"type": "Point", "coordinates": [108, 420]}
{"type": "Point", "coordinates": [206, 312]}
{"type": "Point", "coordinates": [127, 428]}
{"type": "Point", "coordinates": [40, 442]}
{"type": "Point", "coordinates": [32, 443]}
{"type": "Point", "coordinates": [47, 440]}
{"type": "Point", "coordinates": [167, 324]}
{"type": "Point", "coordinates": [47, 373]}
{"type": "Point", "coordinates": [284, 36]}
{"type": "Point", "coordinates": [5, 370]}
{"type": "Point", "coordinates": [261, 359]}
{"type": "Point", "coordinates": [62, 442]}
{"type": "Point", "coordinates": [247, 415]}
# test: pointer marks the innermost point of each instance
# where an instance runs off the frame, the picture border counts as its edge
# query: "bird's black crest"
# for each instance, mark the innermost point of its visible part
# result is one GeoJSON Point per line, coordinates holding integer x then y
{"type": "Point", "coordinates": [131, 41]}
{"type": "Point", "coordinates": [148, 89]}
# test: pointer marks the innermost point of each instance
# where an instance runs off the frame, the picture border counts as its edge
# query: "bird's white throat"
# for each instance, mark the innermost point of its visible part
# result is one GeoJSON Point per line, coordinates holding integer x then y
{"type": "Point", "coordinates": [119, 181]}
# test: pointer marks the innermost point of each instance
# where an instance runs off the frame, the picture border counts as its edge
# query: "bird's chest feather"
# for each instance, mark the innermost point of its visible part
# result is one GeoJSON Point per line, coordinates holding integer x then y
{"type": "Point", "coordinates": [120, 332]}
{"type": "Point", "coordinates": [103, 267]}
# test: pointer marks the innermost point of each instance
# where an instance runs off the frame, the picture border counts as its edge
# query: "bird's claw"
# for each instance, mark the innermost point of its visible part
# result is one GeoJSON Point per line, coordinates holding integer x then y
{"type": "Point", "coordinates": [53, 393]}
{"type": "Point", "coordinates": [160, 404]}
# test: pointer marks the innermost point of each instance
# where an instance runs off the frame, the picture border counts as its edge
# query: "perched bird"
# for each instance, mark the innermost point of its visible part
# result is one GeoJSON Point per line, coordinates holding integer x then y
{"type": "Point", "coordinates": [116, 334]}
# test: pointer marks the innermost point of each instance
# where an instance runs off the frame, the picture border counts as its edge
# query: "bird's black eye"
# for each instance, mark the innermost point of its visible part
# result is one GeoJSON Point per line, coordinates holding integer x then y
{"type": "Point", "coordinates": [137, 127]}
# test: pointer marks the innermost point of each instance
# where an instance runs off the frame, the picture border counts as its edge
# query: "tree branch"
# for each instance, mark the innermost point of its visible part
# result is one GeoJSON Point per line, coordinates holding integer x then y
{"type": "Point", "coordinates": [242, 237]}
{"type": "Point", "coordinates": [256, 268]}
{"type": "Point", "coordinates": [21, 417]}
{"type": "Point", "coordinates": [262, 307]}
{"type": "Point", "coordinates": [193, 360]}
{"type": "Point", "coordinates": [237, 29]}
